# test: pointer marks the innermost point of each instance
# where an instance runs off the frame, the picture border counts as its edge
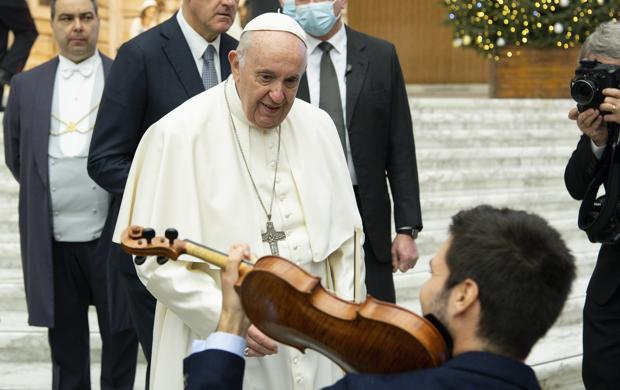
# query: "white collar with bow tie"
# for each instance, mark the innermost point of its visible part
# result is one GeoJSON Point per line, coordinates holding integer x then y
{"type": "Point", "coordinates": [67, 68]}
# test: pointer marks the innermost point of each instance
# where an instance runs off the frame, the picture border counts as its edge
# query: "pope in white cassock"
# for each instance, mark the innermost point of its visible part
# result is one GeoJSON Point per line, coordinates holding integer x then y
{"type": "Point", "coordinates": [244, 162]}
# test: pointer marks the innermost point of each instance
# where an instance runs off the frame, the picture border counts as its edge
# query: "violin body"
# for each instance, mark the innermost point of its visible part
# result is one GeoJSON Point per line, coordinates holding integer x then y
{"type": "Point", "coordinates": [289, 305]}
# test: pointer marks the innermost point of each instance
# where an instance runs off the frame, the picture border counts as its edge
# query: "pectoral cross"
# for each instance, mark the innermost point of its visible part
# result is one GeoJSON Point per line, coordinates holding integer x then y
{"type": "Point", "coordinates": [272, 237]}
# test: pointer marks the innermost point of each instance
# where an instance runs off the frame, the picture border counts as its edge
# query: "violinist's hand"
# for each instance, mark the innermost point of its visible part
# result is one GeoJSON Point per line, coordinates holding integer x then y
{"type": "Point", "coordinates": [259, 344]}
{"type": "Point", "coordinates": [233, 319]}
{"type": "Point", "coordinates": [404, 253]}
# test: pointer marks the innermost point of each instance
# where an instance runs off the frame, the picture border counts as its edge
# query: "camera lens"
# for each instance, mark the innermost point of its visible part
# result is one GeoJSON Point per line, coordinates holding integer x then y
{"type": "Point", "coordinates": [583, 91]}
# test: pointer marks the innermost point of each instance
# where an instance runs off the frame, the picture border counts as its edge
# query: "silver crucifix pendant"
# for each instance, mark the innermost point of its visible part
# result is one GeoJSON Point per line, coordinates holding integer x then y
{"type": "Point", "coordinates": [272, 237]}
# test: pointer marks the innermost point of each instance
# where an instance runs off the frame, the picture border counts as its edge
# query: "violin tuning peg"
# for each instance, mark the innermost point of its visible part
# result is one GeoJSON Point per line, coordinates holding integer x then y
{"type": "Point", "coordinates": [161, 260]}
{"type": "Point", "coordinates": [149, 234]}
{"type": "Point", "coordinates": [139, 260]}
{"type": "Point", "coordinates": [171, 234]}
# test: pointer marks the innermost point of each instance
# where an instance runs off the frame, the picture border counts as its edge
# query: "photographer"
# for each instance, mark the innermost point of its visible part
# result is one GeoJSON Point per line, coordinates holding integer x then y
{"type": "Point", "coordinates": [601, 315]}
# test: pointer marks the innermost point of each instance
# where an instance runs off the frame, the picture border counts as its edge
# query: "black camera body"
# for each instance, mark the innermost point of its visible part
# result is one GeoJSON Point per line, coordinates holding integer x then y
{"type": "Point", "coordinates": [591, 78]}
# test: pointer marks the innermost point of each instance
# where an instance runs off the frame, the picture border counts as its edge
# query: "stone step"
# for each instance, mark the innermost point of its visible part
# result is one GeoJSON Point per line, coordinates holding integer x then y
{"type": "Point", "coordinates": [562, 374]}
{"type": "Point", "coordinates": [38, 376]}
{"type": "Point", "coordinates": [436, 231]}
{"type": "Point", "coordinates": [491, 135]}
{"type": "Point", "coordinates": [492, 177]}
{"type": "Point", "coordinates": [506, 156]}
{"type": "Point", "coordinates": [20, 342]}
{"type": "Point", "coordinates": [546, 201]}
{"type": "Point", "coordinates": [554, 346]}
{"type": "Point", "coordinates": [10, 255]}
{"type": "Point", "coordinates": [521, 106]}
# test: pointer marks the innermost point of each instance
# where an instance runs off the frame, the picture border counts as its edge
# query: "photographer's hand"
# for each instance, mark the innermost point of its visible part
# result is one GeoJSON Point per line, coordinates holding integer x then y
{"type": "Point", "coordinates": [590, 122]}
{"type": "Point", "coordinates": [611, 104]}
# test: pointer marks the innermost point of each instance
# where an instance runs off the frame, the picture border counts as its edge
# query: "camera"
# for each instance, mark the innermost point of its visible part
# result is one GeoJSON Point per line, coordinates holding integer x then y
{"type": "Point", "coordinates": [606, 233]}
{"type": "Point", "coordinates": [591, 77]}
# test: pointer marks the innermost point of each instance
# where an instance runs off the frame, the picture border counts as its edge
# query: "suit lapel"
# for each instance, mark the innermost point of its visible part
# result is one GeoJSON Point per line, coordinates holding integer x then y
{"type": "Point", "coordinates": [107, 64]}
{"type": "Point", "coordinates": [226, 45]}
{"type": "Point", "coordinates": [304, 92]}
{"type": "Point", "coordinates": [41, 126]}
{"type": "Point", "coordinates": [177, 50]}
{"type": "Point", "coordinates": [357, 65]}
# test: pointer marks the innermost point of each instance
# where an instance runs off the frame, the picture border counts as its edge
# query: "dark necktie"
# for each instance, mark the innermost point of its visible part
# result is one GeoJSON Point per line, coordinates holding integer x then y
{"type": "Point", "coordinates": [329, 99]}
{"type": "Point", "coordinates": [209, 76]}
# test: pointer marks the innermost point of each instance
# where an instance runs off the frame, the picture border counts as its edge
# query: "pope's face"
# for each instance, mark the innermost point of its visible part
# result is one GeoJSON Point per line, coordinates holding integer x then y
{"type": "Point", "coordinates": [75, 28]}
{"type": "Point", "coordinates": [210, 17]}
{"type": "Point", "coordinates": [433, 296]}
{"type": "Point", "coordinates": [267, 76]}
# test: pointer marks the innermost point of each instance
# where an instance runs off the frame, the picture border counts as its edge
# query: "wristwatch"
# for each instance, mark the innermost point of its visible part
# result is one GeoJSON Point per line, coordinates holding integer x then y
{"type": "Point", "coordinates": [409, 231]}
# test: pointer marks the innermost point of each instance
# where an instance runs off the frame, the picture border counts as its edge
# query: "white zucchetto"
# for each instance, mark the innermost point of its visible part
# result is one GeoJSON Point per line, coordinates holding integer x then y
{"type": "Point", "coordinates": [273, 21]}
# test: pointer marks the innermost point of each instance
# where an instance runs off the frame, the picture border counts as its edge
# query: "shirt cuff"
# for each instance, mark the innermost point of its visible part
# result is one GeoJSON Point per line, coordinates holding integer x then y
{"type": "Point", "coordinates": [597, 150]}
{"type": "Point", "coordinates": [222, 341]}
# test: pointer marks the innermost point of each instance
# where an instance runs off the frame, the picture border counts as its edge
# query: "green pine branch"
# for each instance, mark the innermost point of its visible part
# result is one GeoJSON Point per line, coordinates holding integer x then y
{"type": "Point", "coordinates": [488, 26]}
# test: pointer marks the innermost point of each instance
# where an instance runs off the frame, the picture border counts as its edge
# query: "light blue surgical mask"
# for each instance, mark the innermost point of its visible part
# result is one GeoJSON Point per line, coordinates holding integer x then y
{"type": "Point", "coordinates": [288, 8]}
{"type": "Point", "coordinates": [316, 18]}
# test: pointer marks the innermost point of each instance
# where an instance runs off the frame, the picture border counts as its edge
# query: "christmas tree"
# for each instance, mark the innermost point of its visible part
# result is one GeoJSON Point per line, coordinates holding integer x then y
{"type": "Point", "coordinates": [488, 25]}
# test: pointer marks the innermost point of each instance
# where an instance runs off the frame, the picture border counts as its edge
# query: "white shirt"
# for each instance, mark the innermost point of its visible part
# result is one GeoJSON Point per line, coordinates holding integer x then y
{"type": "Point", "coordinates": [597, 150]}
{"type": "Point", "coordinates": [198, 45]}
{"type": "Point", "coordinates": [313, 72]}
{"type": "Point", "coordinates": [77, 91]}
{"type": "Point", "coordinates": [223, 341]}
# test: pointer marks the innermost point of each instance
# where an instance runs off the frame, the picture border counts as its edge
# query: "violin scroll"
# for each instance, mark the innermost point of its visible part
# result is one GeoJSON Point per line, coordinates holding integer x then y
{"type": "Point", "coordinates": [143, 242]}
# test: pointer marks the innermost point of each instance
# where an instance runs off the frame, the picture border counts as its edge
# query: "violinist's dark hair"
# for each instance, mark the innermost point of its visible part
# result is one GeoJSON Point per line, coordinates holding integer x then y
{"type": "Point", "coordinates": [523, 270]}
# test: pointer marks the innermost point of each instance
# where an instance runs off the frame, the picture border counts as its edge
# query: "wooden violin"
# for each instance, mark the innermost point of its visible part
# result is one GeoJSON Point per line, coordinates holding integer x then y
{"type": "Point", "coordinates": [289, 305]}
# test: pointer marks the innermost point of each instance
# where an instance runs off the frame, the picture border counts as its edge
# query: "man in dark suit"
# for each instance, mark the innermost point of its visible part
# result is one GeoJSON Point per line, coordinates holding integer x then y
{"type": "Point", "coordinates": [259, 7]}
{"type": "Point", "coordinates": [153, 74]}
{"type": "Point", "coordinates": [47, 131]}
{"type": "Point", "coordinates": [357, 79]}
{"type": "Point", "coordinates": [15, 17]}
{"type": "Point", "coordinates": [601, 313]}
{"type": "Point", "coordinates": [475, 290]}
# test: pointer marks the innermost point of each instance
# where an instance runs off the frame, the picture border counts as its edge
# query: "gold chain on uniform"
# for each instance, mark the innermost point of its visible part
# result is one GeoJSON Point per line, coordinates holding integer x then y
{"type": "Point", "coordinates": [72, 126]}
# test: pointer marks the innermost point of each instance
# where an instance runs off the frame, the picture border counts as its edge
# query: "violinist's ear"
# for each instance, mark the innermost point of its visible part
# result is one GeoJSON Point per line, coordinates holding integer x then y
{"type": "Point", "coordinates": [464, 295]}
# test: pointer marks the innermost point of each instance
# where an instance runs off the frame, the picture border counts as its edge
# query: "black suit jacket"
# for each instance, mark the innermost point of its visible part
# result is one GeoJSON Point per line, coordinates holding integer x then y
{"type": "Point", "coordinates": [219, 370]}
{"type": "Point", "coordinates": [580, 170]}
{"type": "Point", "coordinates": [26, 141]}
{"type": "Point", "coordinates": [152, 74]}
{"type": "Point", "coordinates": [15, 17]}
{"type": "Point", "coordinates": [378, 121]}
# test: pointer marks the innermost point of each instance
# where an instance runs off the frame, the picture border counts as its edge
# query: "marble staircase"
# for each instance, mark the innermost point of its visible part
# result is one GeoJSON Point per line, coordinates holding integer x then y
{"type": "Point", "coordinates": [469, 151]}
{"type": "Point", "coordinates": [505, 153]}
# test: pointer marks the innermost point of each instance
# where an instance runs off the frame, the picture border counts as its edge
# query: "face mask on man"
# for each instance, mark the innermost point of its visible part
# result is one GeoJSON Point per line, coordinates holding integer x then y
{"type": "Point", "coordinates": [315, 18]}
{"type": "Point", "coordinates": [288, 8]}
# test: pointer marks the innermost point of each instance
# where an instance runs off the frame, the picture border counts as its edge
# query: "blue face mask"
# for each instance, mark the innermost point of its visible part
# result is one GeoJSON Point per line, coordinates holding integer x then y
{"type": "Point", "coordinates": [316, 18]}
{"type": "Point", "coordinates": [289, 8]}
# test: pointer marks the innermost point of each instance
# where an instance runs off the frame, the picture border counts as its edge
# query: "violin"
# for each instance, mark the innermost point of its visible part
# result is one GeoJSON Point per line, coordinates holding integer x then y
{"type": "Point", "coordinates": [289, 305]}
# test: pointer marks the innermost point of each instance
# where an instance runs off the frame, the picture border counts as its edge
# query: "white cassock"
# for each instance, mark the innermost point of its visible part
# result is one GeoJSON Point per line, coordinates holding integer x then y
{"type": "Point", "coordinates": [188, 173]}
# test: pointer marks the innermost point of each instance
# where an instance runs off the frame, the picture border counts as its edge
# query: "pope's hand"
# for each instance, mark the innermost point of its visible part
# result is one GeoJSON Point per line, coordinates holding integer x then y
{"type": "Point", "coordinates": [259, 344]}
